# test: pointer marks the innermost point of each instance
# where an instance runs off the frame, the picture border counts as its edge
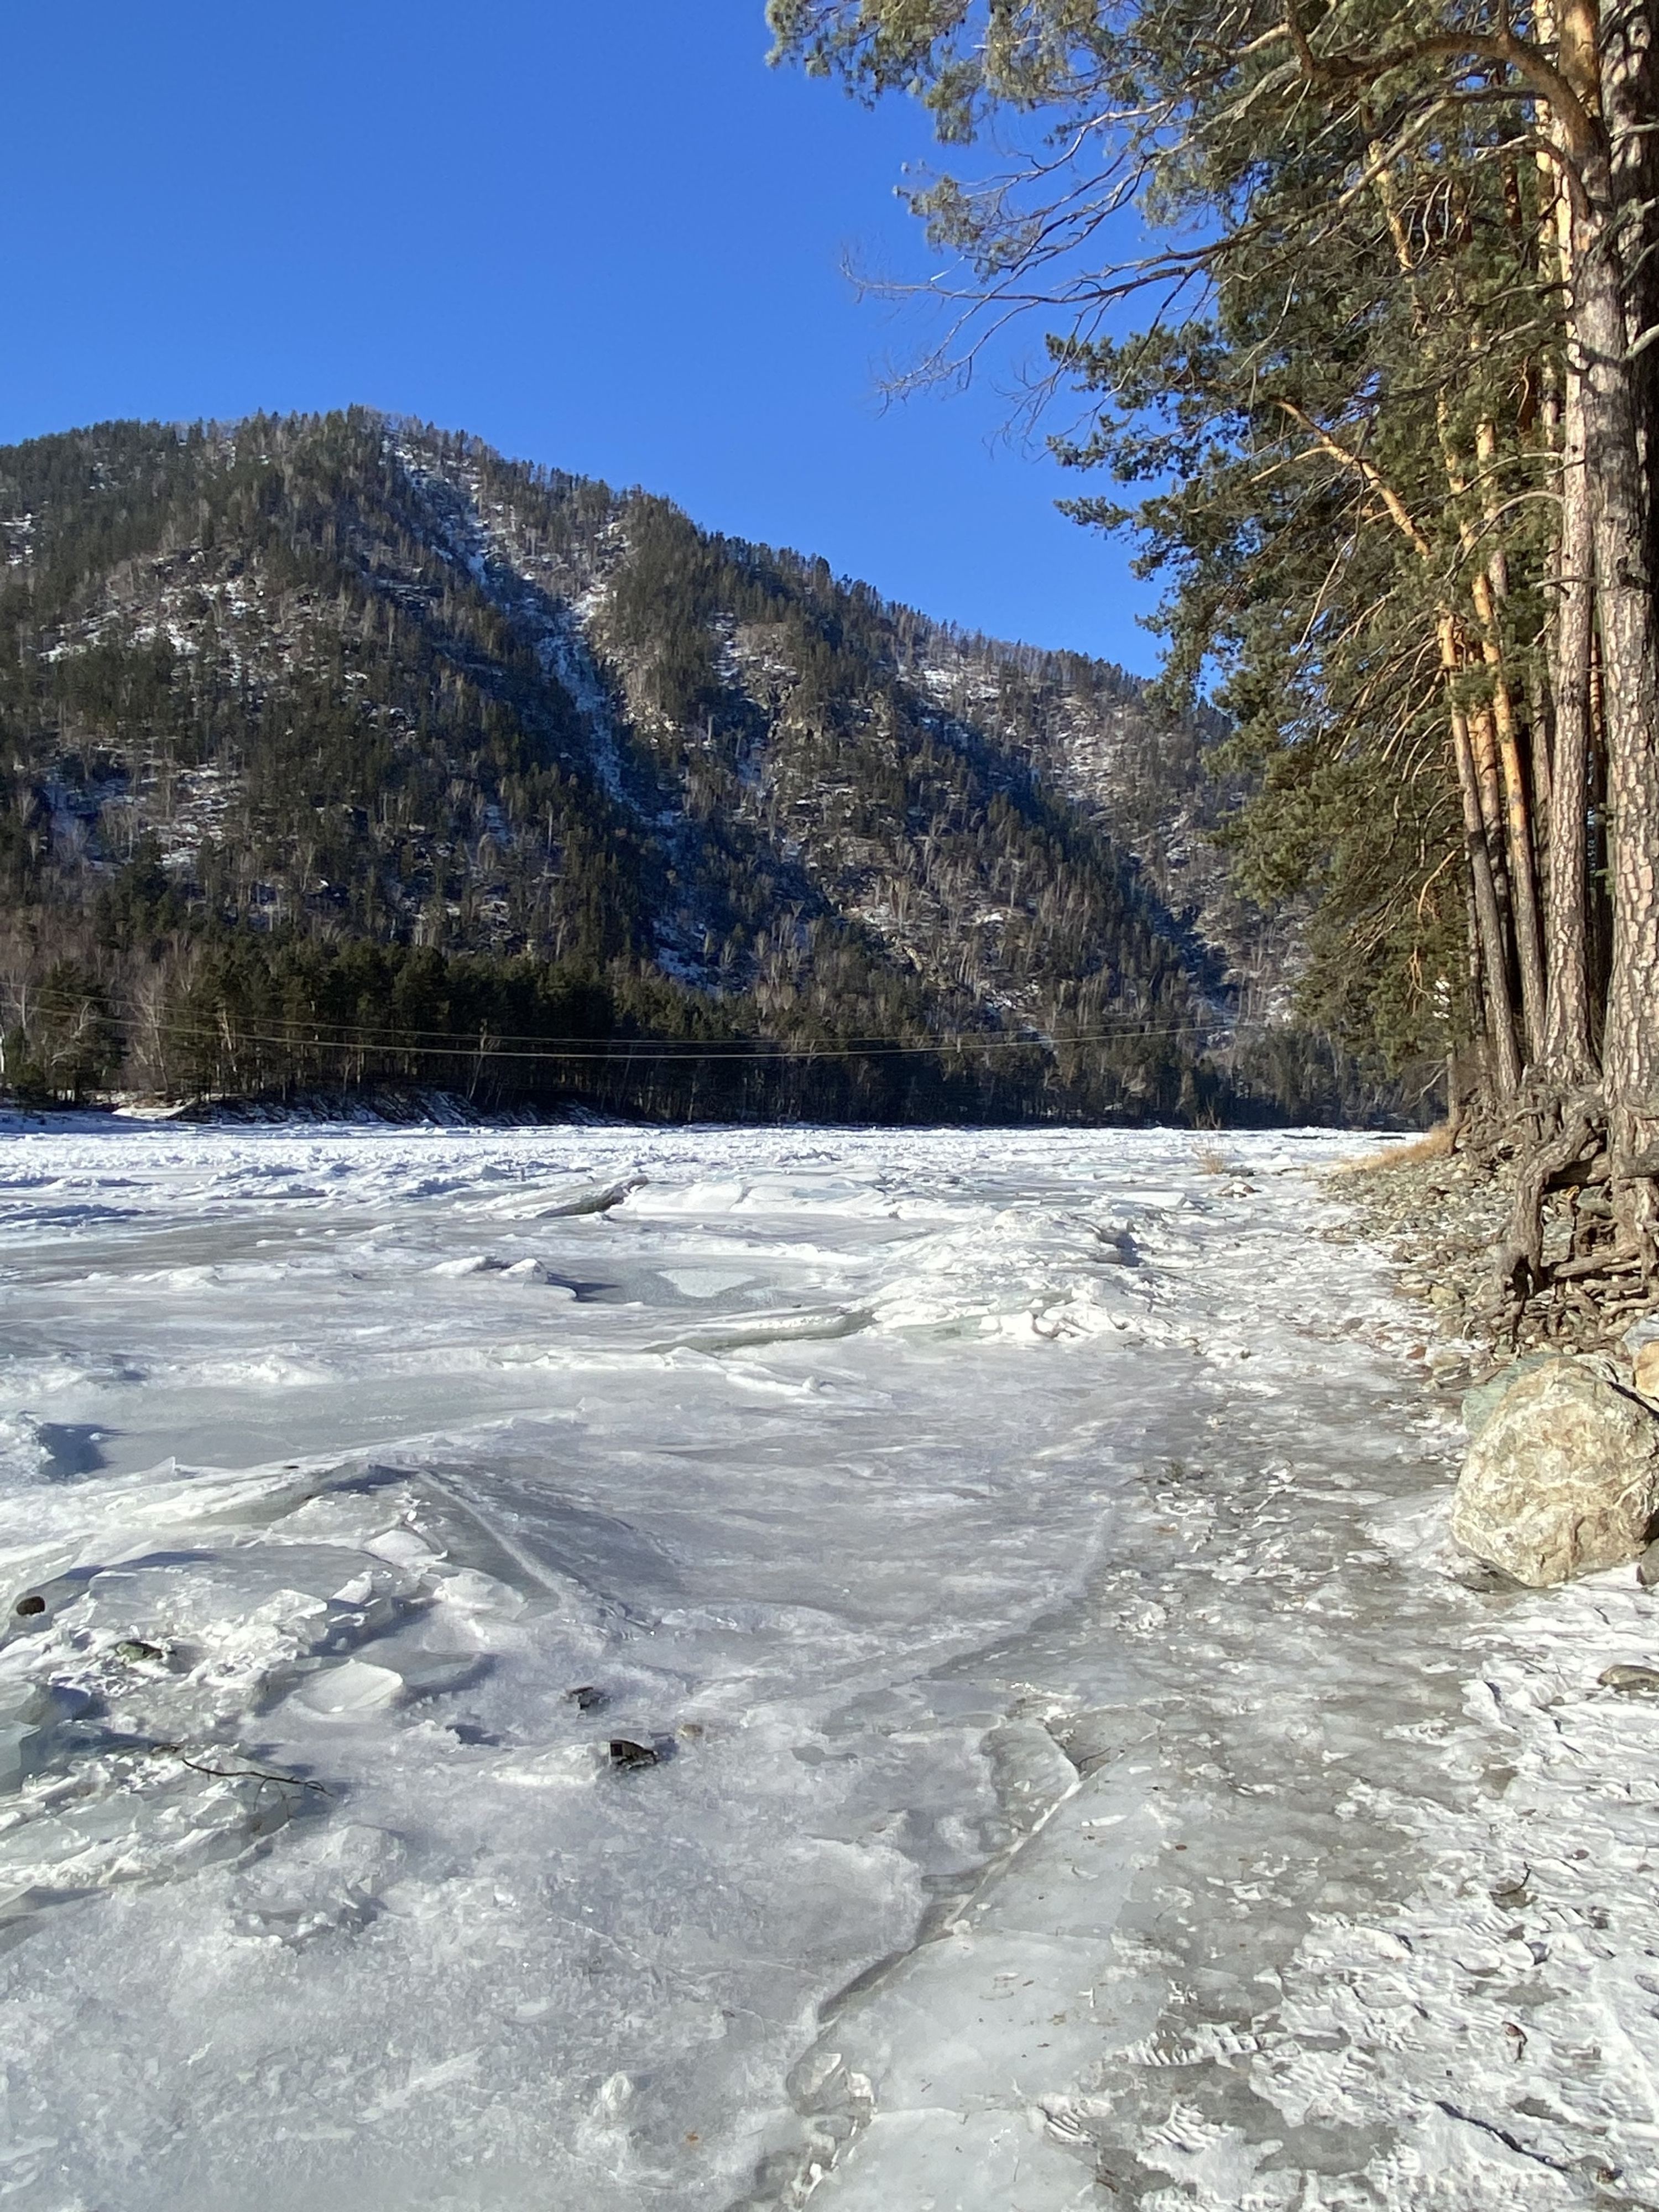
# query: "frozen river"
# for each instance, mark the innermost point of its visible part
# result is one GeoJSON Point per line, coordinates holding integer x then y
{"type": "Point", "coordinates": [1067, 1770]}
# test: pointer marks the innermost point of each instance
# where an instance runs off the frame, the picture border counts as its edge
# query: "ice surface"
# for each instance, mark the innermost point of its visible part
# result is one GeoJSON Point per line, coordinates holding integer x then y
{"type": "Point", "coordinates": [1081, 1774]}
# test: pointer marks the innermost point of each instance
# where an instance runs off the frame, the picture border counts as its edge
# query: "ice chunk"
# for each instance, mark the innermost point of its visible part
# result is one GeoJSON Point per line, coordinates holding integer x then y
{"type": "Point", "coordinates": [469, 1591]}
{"type": "Point", "coordinates": [535, 1271]}
{"type": "Point", "coordinates": [403, 1548]}
{"type": "Point", "coordinates": [21, 1751]}
{"type": "Point", "coordinates": [352, 1692]}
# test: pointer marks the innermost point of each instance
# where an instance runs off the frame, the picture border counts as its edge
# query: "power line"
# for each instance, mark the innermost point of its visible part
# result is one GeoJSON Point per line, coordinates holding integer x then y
{"type": "Point", "coordinates": [356, 1032]}
{"type": "Point", "coordinates": [331, 1036]}
{"type": "Point", "coordinates": [629, 1051]}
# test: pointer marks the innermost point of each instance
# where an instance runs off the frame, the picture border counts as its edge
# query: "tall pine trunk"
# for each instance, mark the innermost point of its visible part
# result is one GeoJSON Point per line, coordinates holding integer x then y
{"type": "Point", "coordinates": [1489, 933]}
{"type": "Point", "coordinates": [1607, 60]}
{"type": "Point", "coordinates": [1488, 584]}
{"type": "Point", "coordinates": [1567, 1020]}
{"type": "Point", "coordinates": [1630, 691]}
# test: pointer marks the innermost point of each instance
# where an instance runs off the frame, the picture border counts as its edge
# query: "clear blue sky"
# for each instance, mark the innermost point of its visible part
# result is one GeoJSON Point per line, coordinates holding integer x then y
{"type": "Point", "coordinates": [601, 234]}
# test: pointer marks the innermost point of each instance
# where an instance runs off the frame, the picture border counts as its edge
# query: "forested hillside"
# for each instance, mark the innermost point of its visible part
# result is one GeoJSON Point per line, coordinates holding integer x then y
{"type": "Point", "coordinates": [342, 751]}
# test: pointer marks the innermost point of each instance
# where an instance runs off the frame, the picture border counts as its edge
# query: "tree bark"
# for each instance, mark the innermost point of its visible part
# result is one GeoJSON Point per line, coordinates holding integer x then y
{"type": "Point", "coordinates": [1489, 919]}
{"type": "Point", "coordinates": [1540, 728]}
{"type": "Point", "coordinates": [1517, 825]}
{"type": "Point", "coordinates": [1490, 585]}
{"type": "Point", "coordinates": [1631, 99]}
{"type": "Point", "coordinates": [1491, 766]}
{"type": "Point", "coordinates": [1567, 1021]}
{"type": "Point", "coordinates": [1604, 62]}
{"type": "Point", "coordinates": [1630, 692]}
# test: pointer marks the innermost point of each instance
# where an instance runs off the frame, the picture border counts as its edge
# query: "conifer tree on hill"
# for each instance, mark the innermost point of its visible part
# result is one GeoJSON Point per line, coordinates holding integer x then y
{"type": "Point", "coordinates": [1393, 433]}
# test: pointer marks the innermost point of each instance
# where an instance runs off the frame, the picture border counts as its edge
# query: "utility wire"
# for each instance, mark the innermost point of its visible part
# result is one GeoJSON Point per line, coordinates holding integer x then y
{"type": "Point", "coordinates": [507, 1044]}
{"type": "Point", "coordinates": [360, 1033]}
{"type": "Point", "coordinates": [630, 1050]}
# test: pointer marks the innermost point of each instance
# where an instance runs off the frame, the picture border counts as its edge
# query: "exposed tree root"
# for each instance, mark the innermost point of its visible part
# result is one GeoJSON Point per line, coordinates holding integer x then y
{"type": "Point", "coordinates": [1579, 1261]}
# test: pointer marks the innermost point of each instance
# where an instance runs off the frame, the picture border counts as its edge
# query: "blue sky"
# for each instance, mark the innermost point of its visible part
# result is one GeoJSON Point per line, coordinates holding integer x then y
{"type": "Point", "coordinates": [601, 234]}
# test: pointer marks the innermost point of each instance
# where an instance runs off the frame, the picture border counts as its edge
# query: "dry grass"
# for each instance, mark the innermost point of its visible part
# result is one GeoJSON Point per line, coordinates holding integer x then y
{"type": "Point", "coordinates": [1212, 1162]}
{"type": "Point", "coordinates": [1433, 1144]}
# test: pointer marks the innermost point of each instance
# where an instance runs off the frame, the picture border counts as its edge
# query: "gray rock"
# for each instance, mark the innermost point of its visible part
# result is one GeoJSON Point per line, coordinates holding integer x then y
{"type": "Point", "coordinates": [629, 1756]}
{"type": "Point", "coordinates": [1634, 1681]}
{"type": "Point", "coordinates": [1481, 1402]}
{"type": "Point", "coordinates": [1562, 1478]}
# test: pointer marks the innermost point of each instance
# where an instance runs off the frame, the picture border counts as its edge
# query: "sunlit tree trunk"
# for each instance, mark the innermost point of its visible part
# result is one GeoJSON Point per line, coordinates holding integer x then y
{"type": "Point", "coordinates": [1488, 913]}
{"type": "Point", "coordinates": [1614, 452]}
{"type": "Point", "coordinates": [1490, 586]}
{"type": "Point", "coordinates": [1567, 1021]}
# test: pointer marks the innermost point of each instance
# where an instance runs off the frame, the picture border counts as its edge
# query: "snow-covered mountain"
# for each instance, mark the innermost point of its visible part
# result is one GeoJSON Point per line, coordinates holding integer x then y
{"type": "Point", "coordinates": [276, 690]}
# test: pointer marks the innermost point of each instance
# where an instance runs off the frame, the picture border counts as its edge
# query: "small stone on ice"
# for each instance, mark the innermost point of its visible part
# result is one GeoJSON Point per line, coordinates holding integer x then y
{"type": "Point", "coordinates": [130, 1647]}
{"type": "Point", "coordinates": [1633, 1681]}
{"type": "Point", "coordinates": [628, 1755]}
{"type": "Point", "coordinates": [587, 1698]}
{"type": "Point", "coordinates": [29, 1606]}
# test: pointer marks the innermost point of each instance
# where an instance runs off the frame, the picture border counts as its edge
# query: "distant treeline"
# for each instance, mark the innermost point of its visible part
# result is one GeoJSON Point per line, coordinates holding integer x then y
{"type": "Point", "coordinates": [273, 1017]}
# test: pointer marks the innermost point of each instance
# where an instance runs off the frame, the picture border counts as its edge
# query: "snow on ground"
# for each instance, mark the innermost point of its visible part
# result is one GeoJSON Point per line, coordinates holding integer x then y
{"type": "Point", "coordinates": [1082, 1776]}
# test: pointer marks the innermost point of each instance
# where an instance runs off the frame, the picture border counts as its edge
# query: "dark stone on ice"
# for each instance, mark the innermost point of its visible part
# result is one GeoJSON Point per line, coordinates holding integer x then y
{"type": "Point", "coordinates": [588, 1700]}
{"type": "Point", "coordinates": [29, 1606]}
{"type": "Point", "coordinates": [628, 1756]}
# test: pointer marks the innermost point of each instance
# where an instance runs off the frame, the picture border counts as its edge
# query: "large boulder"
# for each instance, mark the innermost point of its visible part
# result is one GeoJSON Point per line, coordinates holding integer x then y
{"type": "Point", "coordinates": [1562, 1478]}
{"type": "Point", "coordinates": [1481, 1402]}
